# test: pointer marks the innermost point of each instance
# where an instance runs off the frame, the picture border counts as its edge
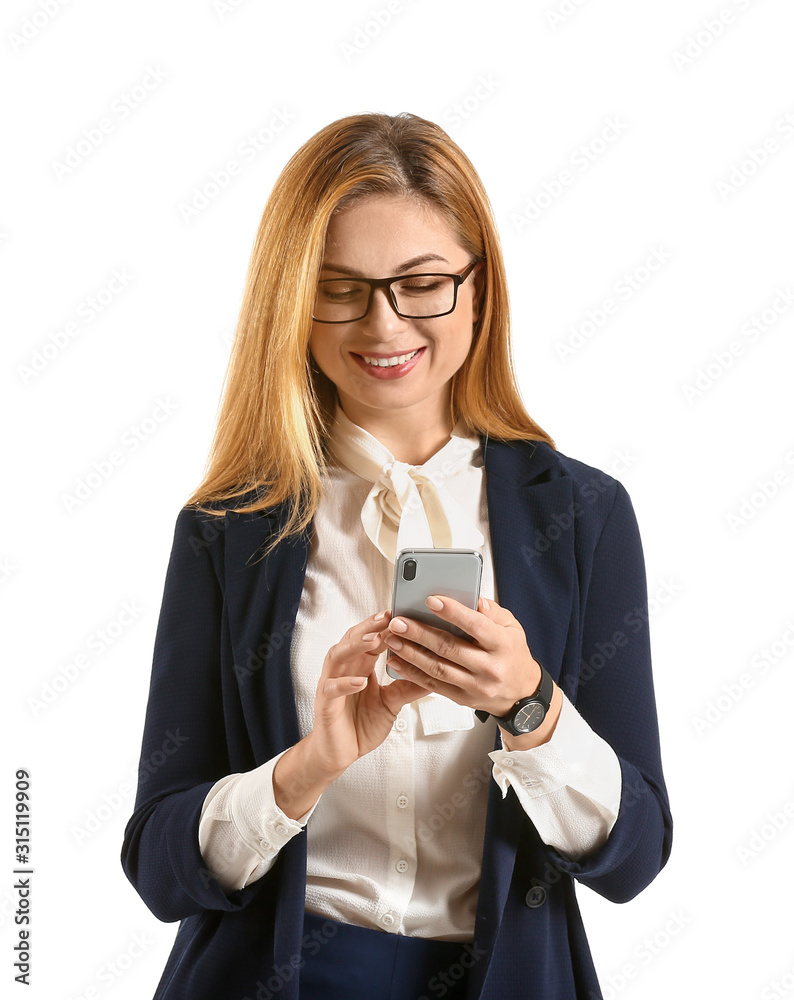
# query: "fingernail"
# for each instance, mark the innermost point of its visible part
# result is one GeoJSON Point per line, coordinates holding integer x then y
{"type": "Point", "coordinates": [398, 625]}
{"type": "Point", "coordinates": [434, 603]}
{"type": "Point", "coordinates": [368, 636]}
{"type": "Point", "coordinates": [393, 642]}
{"type": "Point", "coordinates": [379, 616]}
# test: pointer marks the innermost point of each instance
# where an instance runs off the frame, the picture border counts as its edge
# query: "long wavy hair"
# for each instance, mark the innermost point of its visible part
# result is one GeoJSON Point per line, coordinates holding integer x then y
{"type": "Point", "coordinates": [277, 406]}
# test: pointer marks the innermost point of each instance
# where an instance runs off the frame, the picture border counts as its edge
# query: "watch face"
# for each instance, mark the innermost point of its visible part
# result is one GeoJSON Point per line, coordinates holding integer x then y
{"type": "Point", "coordinates": [529, 717]}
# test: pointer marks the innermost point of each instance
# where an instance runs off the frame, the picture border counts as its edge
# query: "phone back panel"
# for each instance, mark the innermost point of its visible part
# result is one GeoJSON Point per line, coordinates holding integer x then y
{"type": "Point", "coordinates": [452, 573]}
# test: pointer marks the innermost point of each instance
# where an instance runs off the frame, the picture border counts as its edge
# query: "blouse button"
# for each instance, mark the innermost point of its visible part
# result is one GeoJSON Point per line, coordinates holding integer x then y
{"type": "Point", "coordinates": [402, 865]}
{"type": "Point", "coordinates": [508, 762]}
{"type": "Point", "coordinates": [387, 919]}
{"type": "Point", "coordinates": [400, 724]}
{"type": "Point", "coordinates": [282, 830]}
{"type": "Point", "coordinates": [265, 845]}
{"type": "Point", "coordinates": [402, 801]}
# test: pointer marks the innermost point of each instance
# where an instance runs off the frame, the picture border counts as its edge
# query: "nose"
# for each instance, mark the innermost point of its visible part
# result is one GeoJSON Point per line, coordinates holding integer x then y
{"type": "Point", "coordinates": [382, 315]}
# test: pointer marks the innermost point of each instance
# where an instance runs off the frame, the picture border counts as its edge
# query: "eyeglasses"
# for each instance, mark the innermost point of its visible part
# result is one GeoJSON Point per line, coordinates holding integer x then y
{"type": "Point", "coordinates": [412, 296]}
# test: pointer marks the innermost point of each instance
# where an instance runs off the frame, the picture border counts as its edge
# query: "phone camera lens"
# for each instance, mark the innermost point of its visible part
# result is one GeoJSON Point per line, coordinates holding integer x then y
{"type": "Point", "coordinates": [409, 569]}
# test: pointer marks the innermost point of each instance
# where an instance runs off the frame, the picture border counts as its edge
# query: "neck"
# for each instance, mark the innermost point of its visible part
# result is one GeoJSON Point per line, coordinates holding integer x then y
{"type": "Point", "coordinates": [410, 439]}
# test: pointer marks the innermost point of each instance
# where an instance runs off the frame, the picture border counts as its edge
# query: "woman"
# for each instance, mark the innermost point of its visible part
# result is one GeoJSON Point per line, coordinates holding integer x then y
{"type": "Point", "coordinates": [319, 829]}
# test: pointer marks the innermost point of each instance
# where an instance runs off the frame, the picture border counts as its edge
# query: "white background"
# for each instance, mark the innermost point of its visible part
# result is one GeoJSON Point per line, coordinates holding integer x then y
{"type": "Point", "coordinates": [532, 84]}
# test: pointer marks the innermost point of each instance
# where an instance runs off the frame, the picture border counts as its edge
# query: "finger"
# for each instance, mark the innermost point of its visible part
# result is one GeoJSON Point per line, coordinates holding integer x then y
{"type": "Point", "coordinates": [496, 613]}
{"type": "Point", "coordinates": [368, 631]}
{"type": "Point", "coordinates": [475, 623]}
{"type": "Point", "coordinates": [342, 687]}
{"type": "Point", "coordinates": [467, 653]}
{"type": "Point", "coordinates": [400, 693]}
{"type": "Point", "coordinates": [356, 650]}
{"type": "Point", "coordinates": [416, 665]}
{"type": "Point", "coordinates": [371, 626]}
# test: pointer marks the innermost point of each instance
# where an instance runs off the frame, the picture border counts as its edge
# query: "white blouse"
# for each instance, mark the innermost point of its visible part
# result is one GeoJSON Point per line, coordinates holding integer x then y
{"type": "Point", "coordinates": [395, 843]}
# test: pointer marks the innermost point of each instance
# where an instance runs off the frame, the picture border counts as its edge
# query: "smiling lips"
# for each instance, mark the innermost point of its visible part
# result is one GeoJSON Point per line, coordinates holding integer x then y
{"type": "Point", "coordinates": [389, 366]}
{"type": "Point", "coordinates": [390, 360]}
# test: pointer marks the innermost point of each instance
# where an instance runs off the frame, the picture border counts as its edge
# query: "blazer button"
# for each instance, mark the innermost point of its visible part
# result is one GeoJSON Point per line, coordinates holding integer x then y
{"type": "Point", "coordinates": [536, 896]}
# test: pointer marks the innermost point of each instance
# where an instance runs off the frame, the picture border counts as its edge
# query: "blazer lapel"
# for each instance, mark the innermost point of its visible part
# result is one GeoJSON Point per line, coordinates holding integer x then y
{"type": "Point", "coordinates": [531, 523]}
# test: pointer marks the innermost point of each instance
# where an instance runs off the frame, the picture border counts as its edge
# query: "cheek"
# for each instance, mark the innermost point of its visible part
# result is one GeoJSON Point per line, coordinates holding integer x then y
{"type": "Point", "coordinates": [320, 349]}
{"type": "Point", "coordinates": [461, 340]}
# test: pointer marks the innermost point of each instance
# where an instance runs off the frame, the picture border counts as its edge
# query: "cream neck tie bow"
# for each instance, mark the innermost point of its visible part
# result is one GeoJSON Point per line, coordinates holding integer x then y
{"type": "Point", "coordinates": [410, 506]}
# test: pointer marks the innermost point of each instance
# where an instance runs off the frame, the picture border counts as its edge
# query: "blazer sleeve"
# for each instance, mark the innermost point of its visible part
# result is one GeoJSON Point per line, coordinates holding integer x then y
{"type": "Point", "coordinates": [614, 693]}
{"type": "Point", "coordinates": [184, 751]}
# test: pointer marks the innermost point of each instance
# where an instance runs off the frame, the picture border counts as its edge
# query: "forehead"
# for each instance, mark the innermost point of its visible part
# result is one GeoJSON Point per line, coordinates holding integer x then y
{"type": "Point", "coordinates": [387, 228]}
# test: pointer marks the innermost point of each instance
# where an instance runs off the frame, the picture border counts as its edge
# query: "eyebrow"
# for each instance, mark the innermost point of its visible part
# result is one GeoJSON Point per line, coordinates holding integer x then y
{"type": "Point", "coordinates": [405, 266]}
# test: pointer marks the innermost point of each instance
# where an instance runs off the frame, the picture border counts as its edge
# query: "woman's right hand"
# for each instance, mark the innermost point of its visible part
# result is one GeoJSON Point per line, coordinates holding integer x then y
{"type": "Point", "coordinates": [351, 718]}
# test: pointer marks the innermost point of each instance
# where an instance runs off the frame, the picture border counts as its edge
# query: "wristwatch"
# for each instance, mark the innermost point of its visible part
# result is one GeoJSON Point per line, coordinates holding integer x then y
{"type": "Point", "coordinates": [527, 713]}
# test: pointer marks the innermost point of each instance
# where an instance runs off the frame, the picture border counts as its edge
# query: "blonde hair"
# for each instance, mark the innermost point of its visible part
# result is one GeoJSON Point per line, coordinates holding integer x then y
{"type": "Point", "coordinates": [277, 406]}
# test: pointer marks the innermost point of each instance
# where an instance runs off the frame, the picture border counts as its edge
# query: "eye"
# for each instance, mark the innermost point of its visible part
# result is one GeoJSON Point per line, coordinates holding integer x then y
{"type": "Point", "coordinates": [340, 291]}
{"type": "Point", "coordinates": [420, 285]}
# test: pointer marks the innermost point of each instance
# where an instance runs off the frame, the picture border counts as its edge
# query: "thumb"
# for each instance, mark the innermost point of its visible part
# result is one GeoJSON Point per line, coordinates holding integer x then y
{"type": "Point", "coordinates": [494, 611]}
{"type": "Point", "coordinates": [402, 692]}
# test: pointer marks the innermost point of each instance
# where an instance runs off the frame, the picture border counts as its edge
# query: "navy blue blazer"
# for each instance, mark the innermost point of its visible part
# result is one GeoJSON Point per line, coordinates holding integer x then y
{"type": "Point", "coordinates": [568, 563]}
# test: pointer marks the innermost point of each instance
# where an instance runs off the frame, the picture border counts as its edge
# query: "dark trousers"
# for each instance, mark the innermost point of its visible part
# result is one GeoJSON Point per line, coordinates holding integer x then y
{"type": "Point", "coordinates": [347, 962]}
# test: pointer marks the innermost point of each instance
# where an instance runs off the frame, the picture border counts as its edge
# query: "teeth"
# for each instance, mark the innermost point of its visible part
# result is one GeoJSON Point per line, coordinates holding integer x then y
{"type": "Point", "coordinates": [390, 362]}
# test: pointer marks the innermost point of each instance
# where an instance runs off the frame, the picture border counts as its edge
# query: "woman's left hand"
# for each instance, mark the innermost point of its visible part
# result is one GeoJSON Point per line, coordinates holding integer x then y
{"type": "Point", "coordinates": [492, 673]}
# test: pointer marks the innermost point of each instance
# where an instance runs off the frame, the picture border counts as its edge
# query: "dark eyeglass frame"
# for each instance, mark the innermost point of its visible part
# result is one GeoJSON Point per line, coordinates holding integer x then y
{"type": "Point", "coordinates": [386, 283]}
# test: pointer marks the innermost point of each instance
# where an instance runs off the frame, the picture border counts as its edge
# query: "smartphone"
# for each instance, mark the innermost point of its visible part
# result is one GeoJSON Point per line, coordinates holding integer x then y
{"type": "Point", "coordinates": [418, 573]}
